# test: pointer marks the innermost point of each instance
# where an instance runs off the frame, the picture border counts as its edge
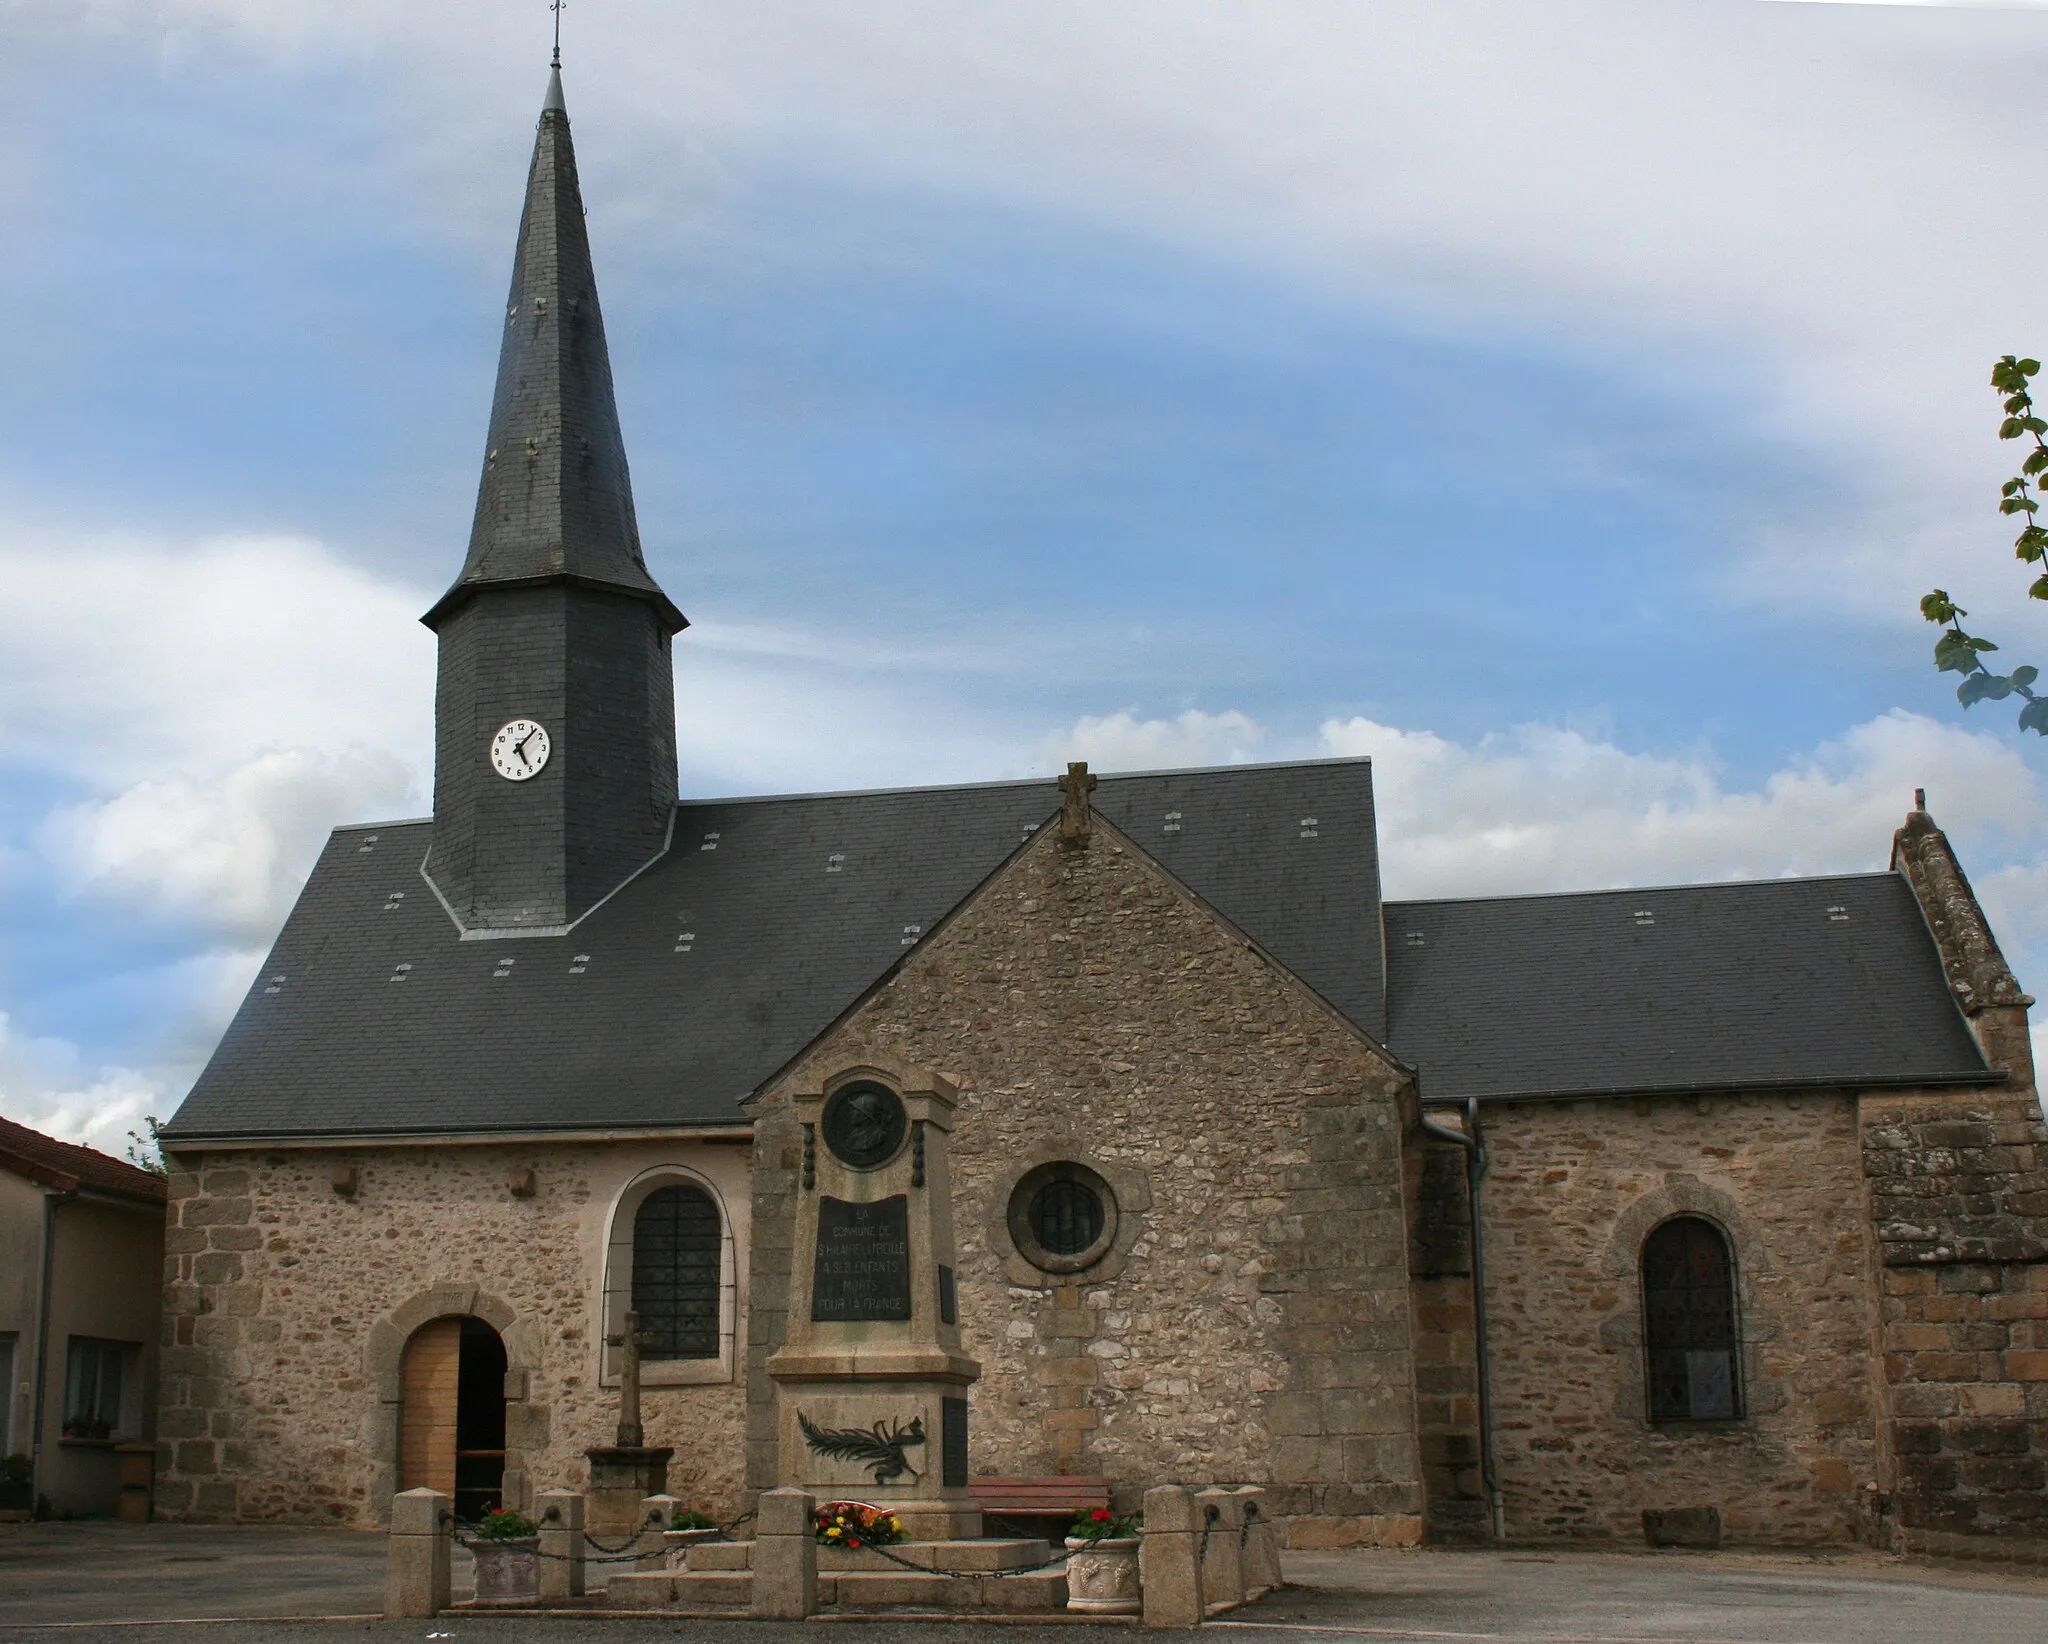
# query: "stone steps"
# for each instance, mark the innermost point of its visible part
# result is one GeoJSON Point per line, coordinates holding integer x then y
{"type": "Point", "coordinates": [681, 1590]}
{"type": "Point", "coordinates": [720, 1577]}
{"type": "Point", "coordinates": [1040, 1591]}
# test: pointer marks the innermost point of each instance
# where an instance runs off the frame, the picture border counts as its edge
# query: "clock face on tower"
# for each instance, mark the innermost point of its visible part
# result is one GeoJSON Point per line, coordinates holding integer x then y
{"type": "Point", "coordinates": [519, 749]}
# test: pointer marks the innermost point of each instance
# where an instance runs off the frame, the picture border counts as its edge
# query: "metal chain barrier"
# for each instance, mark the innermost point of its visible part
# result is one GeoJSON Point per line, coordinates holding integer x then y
{"type": "Point", "coordinates": [627, 1553]}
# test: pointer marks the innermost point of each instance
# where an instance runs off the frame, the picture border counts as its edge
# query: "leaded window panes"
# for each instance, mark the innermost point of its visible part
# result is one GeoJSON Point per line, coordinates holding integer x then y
{"type": "Point", "coordinates": [1066, 1216]}
{"type": "Point", "coordinates": [1689, 1334]}
{"type": "Point", "coordinates": [676, 1244]}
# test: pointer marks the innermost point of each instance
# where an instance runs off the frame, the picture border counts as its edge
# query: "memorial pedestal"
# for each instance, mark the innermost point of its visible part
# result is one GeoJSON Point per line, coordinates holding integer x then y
{"type": "Point", "coordinates": [621, 1477]}
{"type": "Point", "coordinates": [871, 1382]}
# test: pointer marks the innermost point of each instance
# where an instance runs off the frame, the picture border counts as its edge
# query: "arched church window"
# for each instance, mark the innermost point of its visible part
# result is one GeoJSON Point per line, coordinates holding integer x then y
{"type": "Point", "coordinates": [1689, 1326]}
{"type": "Point", "coordinates": [677, 1241]}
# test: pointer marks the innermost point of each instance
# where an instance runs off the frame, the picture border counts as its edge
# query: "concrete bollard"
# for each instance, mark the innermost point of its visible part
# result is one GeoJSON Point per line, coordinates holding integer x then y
{"type": "Point", "coordinates": [1221, 1539]}
{"type": "Point", "coordinates": [655, 1512]}
{"type": "Point", "coordinates": [560, 1514]}
{"type": "Point", "coordinates": [785, 1556]}
{"type": "Point", "coordinates": [1169, 1568]}
{"type": "Point", "coordinates": [1261, 1544]}
{"type": "Point", "coordinates": [416, 1556]}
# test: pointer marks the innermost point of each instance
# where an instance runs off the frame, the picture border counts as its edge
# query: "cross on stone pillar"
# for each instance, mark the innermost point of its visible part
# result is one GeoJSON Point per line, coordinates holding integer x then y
{"type": "Point", "coordinates": [1077, 821]}
{"type": "Point", "coordinates": [631, 1435]}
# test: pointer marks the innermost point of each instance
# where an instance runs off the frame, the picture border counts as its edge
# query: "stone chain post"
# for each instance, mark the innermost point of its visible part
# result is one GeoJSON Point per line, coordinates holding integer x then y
{"type": "Point", "coordinates": [1169, 1567]}
{"type": "Point", "coordinates": [1261, 1544]}
{"type": "Point", "coordinates": [1221, 1514]}
{"type": "Point", "coordinates": [560, 1513]}
{"type": "Point", "coordinates": [785, 1556]}
{"type": "Point", "coordinates": [416, 1556]}
{"type": "Point", "coordinates": [655, 1513]}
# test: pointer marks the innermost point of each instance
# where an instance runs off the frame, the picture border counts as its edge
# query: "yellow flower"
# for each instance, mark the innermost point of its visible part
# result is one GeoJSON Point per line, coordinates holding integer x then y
{"type": "Point", "coordinates": [835, 1531]}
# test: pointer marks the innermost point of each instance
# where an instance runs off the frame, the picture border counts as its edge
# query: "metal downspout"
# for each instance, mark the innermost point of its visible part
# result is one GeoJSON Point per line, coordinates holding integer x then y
{"type": "Point", "coordinates": [1476, 1163]}
{"type": "Point", "coordinates": [51, 1200]}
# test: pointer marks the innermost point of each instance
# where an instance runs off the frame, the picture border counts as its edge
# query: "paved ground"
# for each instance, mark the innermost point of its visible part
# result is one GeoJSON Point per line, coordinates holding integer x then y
{"type": "Point", "coordinates": [150, 1586]}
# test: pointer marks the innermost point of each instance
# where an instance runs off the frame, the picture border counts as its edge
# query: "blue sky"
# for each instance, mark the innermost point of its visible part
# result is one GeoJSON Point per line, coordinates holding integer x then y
{"type": "Point", "coordinates": [1562, 405]}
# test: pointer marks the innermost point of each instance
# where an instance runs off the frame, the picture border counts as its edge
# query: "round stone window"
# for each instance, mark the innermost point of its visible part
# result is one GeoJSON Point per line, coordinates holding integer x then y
{"type": "Point", "coordinates": [1062, 1217]}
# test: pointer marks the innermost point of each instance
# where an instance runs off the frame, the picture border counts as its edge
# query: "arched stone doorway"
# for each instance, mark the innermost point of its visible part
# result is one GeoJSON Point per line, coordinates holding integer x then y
{"type": "Point", "coordinates": [384, 1349]}
{"type": "Point", "coordinates": [451, 1424]}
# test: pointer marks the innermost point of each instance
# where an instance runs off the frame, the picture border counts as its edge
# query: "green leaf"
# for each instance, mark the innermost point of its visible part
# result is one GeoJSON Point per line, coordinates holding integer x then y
{"type": "Point", "coordinates": [2011, 428]}
{"type": "Point", "coordinates": [1938, 607]}
{"type": "Point", "coordinates": [2018, 505]}
{"type": "Point", "coordinates": [1983, 688]}
{"type": "Point", "coordinates": [2011, 486]}
{"type": "Point", "coordinates": [2034, 716]}
{"type": "Point", "coordinates": [2029, 367]}
{"type": "Point", "coordinates": [2038, 588]}
{"type": "Point", "coordinates": [1956, 652]}
{"type": "Point", "coordinates": [2024, 675]}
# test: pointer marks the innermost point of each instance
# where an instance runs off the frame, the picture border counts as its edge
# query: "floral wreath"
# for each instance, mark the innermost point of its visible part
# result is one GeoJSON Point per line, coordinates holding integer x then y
{"type": "Point", "coordinates": [856, 1524]}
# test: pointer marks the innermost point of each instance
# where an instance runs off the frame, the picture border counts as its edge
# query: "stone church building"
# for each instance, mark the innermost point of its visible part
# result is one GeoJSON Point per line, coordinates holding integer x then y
{"type": "Point", "coordinates": [1513, 1216]}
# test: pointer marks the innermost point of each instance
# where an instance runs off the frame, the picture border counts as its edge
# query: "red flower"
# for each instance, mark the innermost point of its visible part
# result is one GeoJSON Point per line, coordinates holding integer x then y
{"type": "Point", "coordinates": [853, 1541]}
{"type": "Point", "coordinates": [1100, 1515]}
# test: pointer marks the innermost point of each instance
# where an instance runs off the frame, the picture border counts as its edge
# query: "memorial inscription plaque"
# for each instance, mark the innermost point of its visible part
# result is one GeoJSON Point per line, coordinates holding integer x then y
{"type": "Point", "coordinates": [862, 1269]}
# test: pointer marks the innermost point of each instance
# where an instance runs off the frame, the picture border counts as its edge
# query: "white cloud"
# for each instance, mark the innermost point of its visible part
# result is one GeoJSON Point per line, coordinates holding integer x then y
{"type": "Point", "coordinates": [125, 660]}
{"type": "Point", "coordinates": [45, 1085]}
{"type": "Point", "coordinates": [1538, 808]}
{"type": "Point", "coordinates": [230, 852]}
{"type": "Point", "coordinates": [1124, 742]}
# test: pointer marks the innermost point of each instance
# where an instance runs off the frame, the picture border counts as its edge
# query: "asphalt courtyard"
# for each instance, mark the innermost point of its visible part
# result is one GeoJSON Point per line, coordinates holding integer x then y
{"type": "Point", "coordinates": [267, 1586]}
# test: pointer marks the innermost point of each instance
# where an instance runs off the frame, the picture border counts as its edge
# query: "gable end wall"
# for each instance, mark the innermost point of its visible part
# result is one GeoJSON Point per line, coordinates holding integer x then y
{"type": "Point", "coordinates": [1255, 1326]}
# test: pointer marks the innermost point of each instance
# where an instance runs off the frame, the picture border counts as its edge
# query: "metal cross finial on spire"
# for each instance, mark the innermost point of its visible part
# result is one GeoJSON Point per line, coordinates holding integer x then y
{"type": "Point", "coordinates": [555, 6]}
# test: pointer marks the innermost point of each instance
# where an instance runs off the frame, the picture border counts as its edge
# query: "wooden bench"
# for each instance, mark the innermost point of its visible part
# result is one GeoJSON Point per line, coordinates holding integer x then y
{"type": "Point", "coordinates": [1063, 1497]}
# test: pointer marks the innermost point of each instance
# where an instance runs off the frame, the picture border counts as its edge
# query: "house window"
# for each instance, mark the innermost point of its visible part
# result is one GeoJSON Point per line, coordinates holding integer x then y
{"type": "Point", "coordinates": [677, 1244]}
{"type": "Point", "coordinates": [1689, 1331]}
{"type": "Point", "coordinates": [94, 1384]}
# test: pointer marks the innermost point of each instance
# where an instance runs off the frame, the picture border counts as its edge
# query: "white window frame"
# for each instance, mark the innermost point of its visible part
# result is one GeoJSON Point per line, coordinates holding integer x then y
{"type": "Point", "coordinates": [618, 1285]}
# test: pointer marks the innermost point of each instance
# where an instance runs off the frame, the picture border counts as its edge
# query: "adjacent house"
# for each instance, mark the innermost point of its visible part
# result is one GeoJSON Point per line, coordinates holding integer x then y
{"type": "Point", "coordinates": [81, 1290]}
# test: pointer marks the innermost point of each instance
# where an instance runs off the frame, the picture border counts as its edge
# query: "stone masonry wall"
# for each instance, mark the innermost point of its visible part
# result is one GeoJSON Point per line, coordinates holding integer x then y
{"type": "Point", "coordinates": [1959, 1195]}
{"type": "Point", "coordinates": [280, 1359]}
{"type": "Point", "coordinates": [1253, 1323]}
{"type": "Point", "coordinates": [1574, 1189]}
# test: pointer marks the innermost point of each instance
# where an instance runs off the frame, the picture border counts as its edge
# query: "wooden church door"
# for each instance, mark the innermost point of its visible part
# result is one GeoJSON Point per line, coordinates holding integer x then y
{"type": "Point", "coordinates": [451, 1421]}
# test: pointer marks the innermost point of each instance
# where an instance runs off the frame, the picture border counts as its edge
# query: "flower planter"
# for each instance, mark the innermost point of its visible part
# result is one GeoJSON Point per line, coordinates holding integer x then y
{"type": "Point", "coordinates": [507, 1572]}
{"type": "Point", "coordinates": [1102, 1576]}
{"type": "Point", "coordinates": [676, 1545]}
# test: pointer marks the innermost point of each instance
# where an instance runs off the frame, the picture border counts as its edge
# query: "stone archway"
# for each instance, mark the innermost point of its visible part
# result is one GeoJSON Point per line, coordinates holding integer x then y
{"type": "Point", "coordinates": [526, 1423]}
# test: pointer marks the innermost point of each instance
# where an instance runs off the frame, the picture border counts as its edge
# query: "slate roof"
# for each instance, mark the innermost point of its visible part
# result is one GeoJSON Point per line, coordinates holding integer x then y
{"type": "Point", "coordinates": [699, 980]}
{"type": "Point", "coordinates": [67, 1167]}
{"type": "Point", "coordinates": [556, 501]}
{"type": "Point", "coordinates": [1777, 982]}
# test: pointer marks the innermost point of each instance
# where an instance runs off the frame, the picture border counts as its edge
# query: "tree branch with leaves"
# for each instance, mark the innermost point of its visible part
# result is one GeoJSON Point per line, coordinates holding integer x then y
{"type": "Point", "coordinates": [1963, 653]}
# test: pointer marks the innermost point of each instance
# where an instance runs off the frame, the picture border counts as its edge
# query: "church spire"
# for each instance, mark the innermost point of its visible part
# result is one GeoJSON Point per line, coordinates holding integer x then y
{"type": "Point", "coordinates": [556, 503]}
{"type": "Point", "coordinates": [554, 701]}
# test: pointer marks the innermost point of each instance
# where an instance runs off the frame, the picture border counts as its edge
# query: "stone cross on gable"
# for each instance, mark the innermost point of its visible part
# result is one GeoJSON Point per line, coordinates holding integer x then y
{"type": "Point", "coordinates": [1077, 821]}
